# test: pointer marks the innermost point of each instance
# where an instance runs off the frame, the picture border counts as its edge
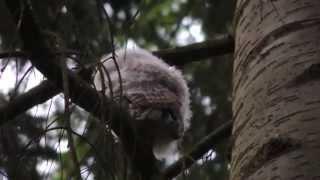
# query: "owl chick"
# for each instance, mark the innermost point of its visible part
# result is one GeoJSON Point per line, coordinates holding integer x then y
{"type": "Point", "coordinates": [156, 93]}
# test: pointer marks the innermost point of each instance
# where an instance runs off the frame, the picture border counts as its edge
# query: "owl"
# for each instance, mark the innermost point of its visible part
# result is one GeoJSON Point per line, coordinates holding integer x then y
{"type": "Point", "coordinates": [155, 92]}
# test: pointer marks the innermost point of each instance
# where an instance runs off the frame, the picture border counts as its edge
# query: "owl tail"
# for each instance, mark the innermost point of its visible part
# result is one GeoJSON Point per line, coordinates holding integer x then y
{"type": "Point", "coordinates": [166, 151]}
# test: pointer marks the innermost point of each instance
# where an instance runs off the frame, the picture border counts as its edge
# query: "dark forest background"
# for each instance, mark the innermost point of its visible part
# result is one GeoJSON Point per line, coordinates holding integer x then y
{"type": "Point", "coordinates": [29, 145]}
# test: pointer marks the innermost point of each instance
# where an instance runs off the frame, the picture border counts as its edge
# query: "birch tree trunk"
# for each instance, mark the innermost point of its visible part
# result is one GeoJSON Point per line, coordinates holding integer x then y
{"type": "Point", "coordinates": [276, 90]}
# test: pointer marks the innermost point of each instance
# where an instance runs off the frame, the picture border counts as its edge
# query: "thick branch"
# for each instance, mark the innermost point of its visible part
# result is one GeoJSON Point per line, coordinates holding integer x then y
{"type": "Point", "coordinates": [220, 45]}
{"type": "Point", "coordinates": [20, 104]}
{"type": "Point", "coordinates": [17, 54]}
{"type": "Point", "coordinates": [24, 55]}
{"type": "Point", "coordinates": [199, 150]}
{"type": "Point", "coordinates": [175, 56]}
{"type": "Point", "coordinates": [44, 59]}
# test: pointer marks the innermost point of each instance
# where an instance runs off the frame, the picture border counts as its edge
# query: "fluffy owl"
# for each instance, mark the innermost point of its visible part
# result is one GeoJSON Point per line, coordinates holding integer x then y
{"type": "Point", "coordinates": [156, 93]}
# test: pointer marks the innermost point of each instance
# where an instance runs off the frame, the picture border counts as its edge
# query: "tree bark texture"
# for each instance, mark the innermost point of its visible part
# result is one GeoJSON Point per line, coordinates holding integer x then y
{"type": "Point", "coordinates": [276, 90]}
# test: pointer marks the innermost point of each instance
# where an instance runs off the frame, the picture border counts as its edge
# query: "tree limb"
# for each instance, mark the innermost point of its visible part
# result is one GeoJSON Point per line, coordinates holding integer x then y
{"type": "Point", "coordinates": [219, 45]}
{"type": "Point", "coordinates": [23, 102]}
{"type": "Point", "coordinates": [199, 150]}
{"type": "Point", "coordinates": [17, 54]}
{"type": "Point", "coordinates": [81, 93]}
{"type": "Point", "coordinates": [175, 56]}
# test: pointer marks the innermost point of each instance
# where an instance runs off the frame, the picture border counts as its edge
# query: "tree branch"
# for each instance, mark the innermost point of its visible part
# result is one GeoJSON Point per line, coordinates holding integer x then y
{"type": "Point", "coordinates": [219, 45]}
{"type": "Point", "coordinates": [23, 102]}
{"type": "Point", "coordinates": [199, 150]}
{"type": "Point", "coordinates": [175, 56]}
{"type": "Point", "coordinates": [45, 60]}
{"type": "Point", "coordinates": [67, 114]}
{"type": "Point", "coordinates": [10, 54]}
{"type": "Point", "coordinates": [86, 97]}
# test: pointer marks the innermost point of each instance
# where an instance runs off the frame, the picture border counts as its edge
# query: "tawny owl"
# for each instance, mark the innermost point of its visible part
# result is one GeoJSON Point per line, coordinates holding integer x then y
{"type": "Point", "coordinates": [157, 96]}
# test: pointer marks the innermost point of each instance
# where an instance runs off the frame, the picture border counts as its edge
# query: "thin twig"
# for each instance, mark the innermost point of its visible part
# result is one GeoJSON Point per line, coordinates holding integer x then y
{"type": "Point", "coordinates": [67, 113]}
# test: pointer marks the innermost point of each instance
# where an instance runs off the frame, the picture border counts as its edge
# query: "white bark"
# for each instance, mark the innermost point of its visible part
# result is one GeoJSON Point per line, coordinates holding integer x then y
{"type": "Point", "coordinates": [276, 90]}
